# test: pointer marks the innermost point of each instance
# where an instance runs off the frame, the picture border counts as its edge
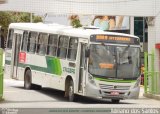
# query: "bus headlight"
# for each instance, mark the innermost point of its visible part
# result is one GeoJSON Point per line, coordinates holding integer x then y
{"type": "Point", "coordinates": [137, 83]}
{"type": "Point", "coordinates": [91, 79]}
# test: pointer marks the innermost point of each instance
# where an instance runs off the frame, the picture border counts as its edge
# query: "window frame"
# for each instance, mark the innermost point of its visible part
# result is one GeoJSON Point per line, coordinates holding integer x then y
{"type": "Point", "coordinates": [57, 36]}
{"type": "Point", "coordinates": [22, 44]}
{"type": "Point", "coordinates": [44, 43]}
{"type": "Point", "coordinates": [58, 49]}
{"type": "Point", "coordinates": [72, 37]}
{"type": "Point", "coordinates": [8, 38]}
{"type": "Point", "coordinates": [35, 47]}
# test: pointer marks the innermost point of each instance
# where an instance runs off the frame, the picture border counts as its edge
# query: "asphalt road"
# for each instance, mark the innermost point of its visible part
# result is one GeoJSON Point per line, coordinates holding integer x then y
{"type": "Point", "coordinates": [15, 96]}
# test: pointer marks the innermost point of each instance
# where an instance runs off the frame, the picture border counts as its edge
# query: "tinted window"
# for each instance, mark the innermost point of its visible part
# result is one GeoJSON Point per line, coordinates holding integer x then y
{"type": "Point", "coordinates": [52, 45]}
{"type": "Point", "coordinates": [72, 51]}
{"type": "Point", "coordinates": [31, 47]}
{"type": "Point", "coordinates": [42, 43]}
{"type": "Point", "coordinates": [10, 38]}
{"type": "Point", "coordinates": [62, 47]}
{"type": "Point", "coordinates": [24, 41]}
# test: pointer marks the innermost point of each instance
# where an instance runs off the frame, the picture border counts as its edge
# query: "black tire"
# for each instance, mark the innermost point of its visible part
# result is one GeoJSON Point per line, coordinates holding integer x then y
{"type": "Point", "coordinates": [71, 95]}
{"type": "Point", "coordinates": [28, 80]}
{"type": "Point", "coordinates": [115, 101]}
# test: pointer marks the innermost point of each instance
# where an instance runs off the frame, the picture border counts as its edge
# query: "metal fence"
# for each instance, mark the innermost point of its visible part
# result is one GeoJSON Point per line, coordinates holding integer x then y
{"type": "Point", "coordinates": [151, 77]}
{"type": "Point", "coordinates": [1, 74]}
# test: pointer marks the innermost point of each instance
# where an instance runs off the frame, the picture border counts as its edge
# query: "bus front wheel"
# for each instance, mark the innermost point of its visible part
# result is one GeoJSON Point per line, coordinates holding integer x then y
{"type": "Point", "coordinates": [27, 80]}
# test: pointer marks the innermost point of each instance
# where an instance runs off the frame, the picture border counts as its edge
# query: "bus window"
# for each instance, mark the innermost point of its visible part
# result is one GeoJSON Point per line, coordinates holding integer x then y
{"type": "Point", "coordinates": [62, 47]}
{"type": "Point", "coordinates": [42, 43]}
{"type": "Point", "coordinates": [31, 47]}
{"type": "Point", "coordinates": [52, 45]}
{"type": "Point", "coordinates": [10, 38]}
{"type": "Point", "coordinates": [72, 51]}
{"type": "Point", "coordinates": [24, 41]}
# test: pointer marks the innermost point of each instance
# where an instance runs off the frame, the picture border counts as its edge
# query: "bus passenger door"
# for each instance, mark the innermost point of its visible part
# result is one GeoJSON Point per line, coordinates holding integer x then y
{"type": "Point", "coordinates": [82, 70]}
{"type": "Point", "coordinates": [15, 53]}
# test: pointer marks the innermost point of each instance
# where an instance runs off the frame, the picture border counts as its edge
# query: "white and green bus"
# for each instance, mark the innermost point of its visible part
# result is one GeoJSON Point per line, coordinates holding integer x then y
{"type": "Point", "coordinates": [80, 61]}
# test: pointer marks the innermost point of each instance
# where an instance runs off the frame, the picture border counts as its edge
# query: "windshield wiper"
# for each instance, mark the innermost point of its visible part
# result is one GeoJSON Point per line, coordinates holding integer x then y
{"type": "Point", "coordinates": [103, 44]}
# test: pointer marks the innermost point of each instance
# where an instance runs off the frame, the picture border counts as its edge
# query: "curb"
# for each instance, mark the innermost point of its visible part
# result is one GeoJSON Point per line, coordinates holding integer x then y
{"type": "Point", "coordinates": [152, 96]}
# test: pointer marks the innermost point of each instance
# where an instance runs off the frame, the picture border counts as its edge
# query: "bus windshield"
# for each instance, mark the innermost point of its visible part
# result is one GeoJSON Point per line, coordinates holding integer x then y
{"type": "Point", "coordinates": [110, 61]}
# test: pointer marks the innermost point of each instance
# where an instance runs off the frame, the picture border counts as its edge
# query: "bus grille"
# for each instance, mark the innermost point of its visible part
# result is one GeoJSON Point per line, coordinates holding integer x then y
{"type": "Point", "coordinates": [114, 87]}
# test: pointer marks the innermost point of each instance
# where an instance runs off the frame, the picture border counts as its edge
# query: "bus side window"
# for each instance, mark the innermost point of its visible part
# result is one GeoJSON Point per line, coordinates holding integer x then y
{"type": "Point", "coordinates": [31, 47]}
{"type": "Point", "coordinates": [10, 38]}
{"type": "Point", "coordinates": [52, 45]}
{"type": "Point", "coordinates": [72, 51]}
{"type": "Point", "coordinates": [42, 43]}
{"type": "Point", "coordinates": [62, 47]}
{"type": "Point", "coordinates": [24, 41]}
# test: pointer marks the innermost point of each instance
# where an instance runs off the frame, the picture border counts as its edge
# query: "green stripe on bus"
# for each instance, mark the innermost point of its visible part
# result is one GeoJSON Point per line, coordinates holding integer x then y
{"type": "Point", "coordinates": [115, 81]}
{"type": "Point", "coordinates": [59, 68]}
{"type": "Point", "coordinates": [56, 65]}
{"type": "Point", "coordinates": [33, 67]}
{"type": "Point", "coordinates": [53, 66]}
{"type": "Point", "coordinates": [50, 64]}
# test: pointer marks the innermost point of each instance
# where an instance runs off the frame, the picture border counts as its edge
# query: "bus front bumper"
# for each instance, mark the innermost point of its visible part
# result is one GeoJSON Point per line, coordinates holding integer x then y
{"type": "Point", "coordinates": [95, 92]}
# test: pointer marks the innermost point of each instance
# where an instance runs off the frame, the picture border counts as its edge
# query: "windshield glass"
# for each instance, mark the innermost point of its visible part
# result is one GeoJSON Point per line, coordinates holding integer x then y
{"type": "Point", "coordinates": [102, 60]}
{"type": "Point", "coordinates": [114, 61]}
{"type": "Point", "coordinates": [128, 62]}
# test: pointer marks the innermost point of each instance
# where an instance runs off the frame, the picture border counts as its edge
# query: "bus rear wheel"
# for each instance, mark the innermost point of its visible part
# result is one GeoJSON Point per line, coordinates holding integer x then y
{"type": "Point", "coordinates": [28, 80]}
{"type": "Point", "coordinates": [71, 95]}
{"type": "Point", "coordinates": [115, 101]}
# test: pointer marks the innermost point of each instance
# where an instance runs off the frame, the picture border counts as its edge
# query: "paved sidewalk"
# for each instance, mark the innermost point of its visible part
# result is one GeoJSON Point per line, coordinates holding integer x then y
{"type": "Point", "coordinates": [152, 96]}
{"type": "Point", "coordinates": [17, 97]}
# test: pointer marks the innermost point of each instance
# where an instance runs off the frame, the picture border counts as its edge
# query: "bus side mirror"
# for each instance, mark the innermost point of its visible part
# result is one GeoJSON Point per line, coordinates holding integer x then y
{"type": "Point", "coordinates": [87, 53]}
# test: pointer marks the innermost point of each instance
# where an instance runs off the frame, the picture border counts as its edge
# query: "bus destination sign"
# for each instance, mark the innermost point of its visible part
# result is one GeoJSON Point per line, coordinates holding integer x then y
{"type": "Point", "coordinates": [114, 39]}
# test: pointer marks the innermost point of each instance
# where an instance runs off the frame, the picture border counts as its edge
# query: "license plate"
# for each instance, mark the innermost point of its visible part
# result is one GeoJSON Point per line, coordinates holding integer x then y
{"type": "Point", "coordinates": [114, 93]}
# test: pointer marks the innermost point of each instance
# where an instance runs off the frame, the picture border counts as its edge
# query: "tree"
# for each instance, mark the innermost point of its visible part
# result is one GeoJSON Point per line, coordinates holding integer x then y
{"type": "Point", "coordinates": [11, 17]}
{"type": "Point", "coordinates": [5, 20]}
{"type": "Point", "coordinates": [74, 21]}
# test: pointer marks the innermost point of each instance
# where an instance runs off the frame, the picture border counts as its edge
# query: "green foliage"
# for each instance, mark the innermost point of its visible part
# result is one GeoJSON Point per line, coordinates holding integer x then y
{"type": "Point", "coordinates": [76, 23]}
{"type": "Point", "coordinates": [13, 17]}
{"type": "Point", "coordinates": [5, 20]}
{"type": "Point", "coordinates": [37, 19]}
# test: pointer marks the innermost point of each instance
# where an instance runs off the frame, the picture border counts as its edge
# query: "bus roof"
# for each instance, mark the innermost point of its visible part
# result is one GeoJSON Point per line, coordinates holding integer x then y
{"type": "Point", "coordinates": [64, 30]}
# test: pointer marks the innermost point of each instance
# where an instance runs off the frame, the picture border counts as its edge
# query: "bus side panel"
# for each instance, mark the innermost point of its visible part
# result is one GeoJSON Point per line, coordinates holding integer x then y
{"type": "Point", "coordinates": [21, 71]}
{"type": "Point", "coordinates": [46, 71]}
{"type": "Point", "coordinates": [66, 70]}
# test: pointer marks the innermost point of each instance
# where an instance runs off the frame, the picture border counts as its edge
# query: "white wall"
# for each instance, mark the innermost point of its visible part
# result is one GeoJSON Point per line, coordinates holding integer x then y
{"type": "Point", "coordinates": [154, 37]}
{"type": "Point", "coordinates": [97, 7]}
